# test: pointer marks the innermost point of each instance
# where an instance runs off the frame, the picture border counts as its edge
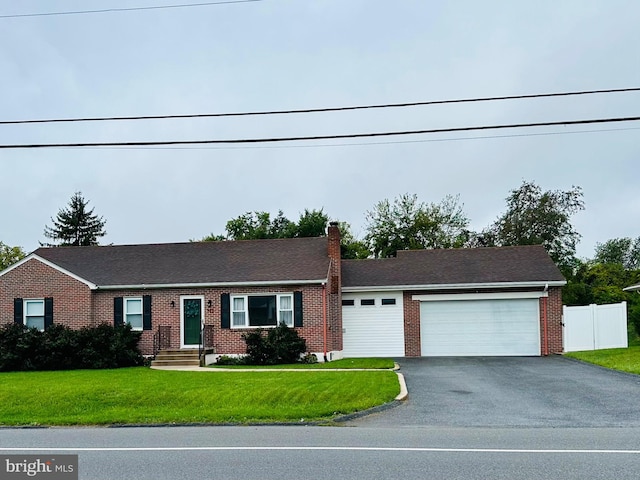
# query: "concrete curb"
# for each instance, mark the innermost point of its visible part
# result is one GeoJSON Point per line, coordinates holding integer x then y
{"type": "Point", "coordinates": [404, 393]}
{"type": "Point", "coordinates": [188, 368]}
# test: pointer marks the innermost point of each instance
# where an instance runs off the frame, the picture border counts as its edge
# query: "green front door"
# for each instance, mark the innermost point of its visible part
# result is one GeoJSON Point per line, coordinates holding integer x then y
{"type": "Point", "coordinates": [192, 320]}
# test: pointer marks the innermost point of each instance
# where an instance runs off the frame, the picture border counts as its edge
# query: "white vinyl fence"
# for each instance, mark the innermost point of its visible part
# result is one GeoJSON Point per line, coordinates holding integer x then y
{"type": "Point", "coordinates": [594, 327]}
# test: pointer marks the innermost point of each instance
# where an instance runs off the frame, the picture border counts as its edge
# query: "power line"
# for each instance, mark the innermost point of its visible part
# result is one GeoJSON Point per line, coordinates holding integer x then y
{"type": "Point", "coordinates": [318, 110]}
{"type": "Point", "coordinates": [360, 144]}
{"type": "Point", "coordinates": [393, 142]}
{"type": "Point", "coordinates": [129, 9]}
{"type": "Point", "coordinates": [319, 137]}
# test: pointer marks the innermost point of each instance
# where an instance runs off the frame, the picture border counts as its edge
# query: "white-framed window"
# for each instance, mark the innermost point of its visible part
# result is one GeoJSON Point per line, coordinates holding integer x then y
{"type": "Point", "coordinates": [133, 312]}
{"type": "Point", "coordinates": [261, 310]}
{"type": "Point", "coordinates": [34, 313]}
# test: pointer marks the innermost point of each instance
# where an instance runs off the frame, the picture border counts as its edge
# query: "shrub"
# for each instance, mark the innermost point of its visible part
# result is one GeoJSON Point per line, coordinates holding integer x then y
{"type": "Point", "coordinates": [227, 360]}
{"type": "Point", "coordinates": [259, 352]}
{"type": "Point", "coordinates": [19, 346]}
{"type": "Point", "coordinates": [61, 348]}
{"type": "Point", "coordinates": [280, 345]}
{"type": "Point", "coordinates": [109, 347]}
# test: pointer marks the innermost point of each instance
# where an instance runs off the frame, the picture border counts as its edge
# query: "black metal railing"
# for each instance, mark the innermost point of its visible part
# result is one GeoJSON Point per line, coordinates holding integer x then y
{"type": "Point", "coordinates": [161, 339]}
{"type": "Point", "coordinates": [206, 341]}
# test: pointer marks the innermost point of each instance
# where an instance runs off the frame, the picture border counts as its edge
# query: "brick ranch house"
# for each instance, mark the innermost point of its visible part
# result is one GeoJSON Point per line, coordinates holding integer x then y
{"type": "Point", "coordinates": [454, 302]}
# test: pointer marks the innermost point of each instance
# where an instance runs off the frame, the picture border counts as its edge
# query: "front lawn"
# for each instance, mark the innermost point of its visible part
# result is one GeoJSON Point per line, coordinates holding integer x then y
{"type": "Point", "coordinates": [145, 396]}
{"type": "Point", "coordinates": [623, 359]}
{"type": "Point", "coordinates": [343, 364]}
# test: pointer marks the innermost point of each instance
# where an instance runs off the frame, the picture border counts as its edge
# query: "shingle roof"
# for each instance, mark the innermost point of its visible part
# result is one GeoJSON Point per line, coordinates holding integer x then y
{"type": "Point", "coordinates": [460, 266]}
{"type": "Point", "coordinates": [282, 260]}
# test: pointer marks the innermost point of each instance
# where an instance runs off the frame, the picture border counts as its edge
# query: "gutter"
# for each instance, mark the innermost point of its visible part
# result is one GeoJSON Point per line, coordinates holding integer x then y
{"type": "Point", "coordinates": [324, 320]}
{"type": "Point", "coordinates": [457, 286]}
{"type": "Point", "coordinates": [145, 286]}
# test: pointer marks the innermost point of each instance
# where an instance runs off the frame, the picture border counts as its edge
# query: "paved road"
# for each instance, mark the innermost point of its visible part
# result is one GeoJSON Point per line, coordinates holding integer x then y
{"type": "Point", "coordinates": [513, 418]}
{"type": "Point", "coordinates": [292, 453]}
{"type": "Point", "coordinates": [512, 392]}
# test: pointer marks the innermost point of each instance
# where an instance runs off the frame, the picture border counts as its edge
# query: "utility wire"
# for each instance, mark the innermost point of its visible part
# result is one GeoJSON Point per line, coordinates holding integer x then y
{"type": "Point", "coordinates": [392, 142]}
{"type": "Point", "coordinates": [318, 137]}
{"type": "Point", "coordinates": [317, 110]}
{"type": "Point", "coordinates": [129, 9]}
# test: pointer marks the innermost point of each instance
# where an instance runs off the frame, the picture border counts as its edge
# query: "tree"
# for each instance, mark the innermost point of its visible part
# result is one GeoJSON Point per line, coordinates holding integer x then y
{"type": "Point", "coordinates": [407, 224]}
{"type": "Point", "coordinates": [350, 246]}
{"type": "Point", "coordinates": [534, 217]}
{"type": "Point", "coordinates": [75, 225]}
{"type": "Point", "coordinates": [9, 255]}
{"type": "Point", "coordinates": [312, 223]}
{"type": "Point", "coordinates": [622, 251]}
{"type": "Point", "coordinates": [258, 226]}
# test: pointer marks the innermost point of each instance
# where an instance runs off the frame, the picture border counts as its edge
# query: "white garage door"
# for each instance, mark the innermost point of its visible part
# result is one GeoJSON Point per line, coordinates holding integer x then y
{"type": "Point", "coordinates": [373, 324]}
{"type": "Point", "coordinates": [480, 327]}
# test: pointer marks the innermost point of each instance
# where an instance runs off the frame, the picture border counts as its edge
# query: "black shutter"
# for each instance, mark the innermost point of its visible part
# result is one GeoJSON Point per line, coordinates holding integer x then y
{"type": "Point", "coordinates": [48, 312]}
{"type": "Point", "coordinates": [225, 311]}
{"type": "Point", "coordinates": [297, 309]}
{"type": "Point", "coordinates": [117, 311]}
{"type": "Point", "coordinates": [17, 311]}
{"type": "Point", "coordinates": [146, 312]}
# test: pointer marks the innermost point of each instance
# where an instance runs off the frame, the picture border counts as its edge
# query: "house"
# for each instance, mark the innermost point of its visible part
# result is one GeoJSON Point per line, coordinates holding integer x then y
{"type": "Point", "coordinates": [484, 301]}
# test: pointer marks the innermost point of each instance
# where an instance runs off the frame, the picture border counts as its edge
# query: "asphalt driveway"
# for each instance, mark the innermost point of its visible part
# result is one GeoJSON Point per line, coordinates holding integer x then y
{"type": "Point", "coordinates": [512, 392]}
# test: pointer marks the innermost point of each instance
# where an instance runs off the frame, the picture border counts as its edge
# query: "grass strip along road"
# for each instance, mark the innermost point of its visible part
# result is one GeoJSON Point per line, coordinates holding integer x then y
{"type": "Point", "coordinates": [145, 396]}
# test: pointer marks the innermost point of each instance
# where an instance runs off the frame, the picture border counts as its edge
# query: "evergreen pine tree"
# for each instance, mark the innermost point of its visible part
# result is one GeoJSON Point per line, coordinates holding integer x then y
{"type": "Point", "coordinates": [75, 225]}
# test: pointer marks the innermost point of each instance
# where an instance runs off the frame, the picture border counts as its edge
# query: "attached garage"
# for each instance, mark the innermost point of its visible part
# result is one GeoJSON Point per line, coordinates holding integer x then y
{"type": "Point", "coordinates": [478, 326]}
{"type": "Point", "coordinates": [493, 301]}
{"type": "Point", "coordinates": [373, 324]}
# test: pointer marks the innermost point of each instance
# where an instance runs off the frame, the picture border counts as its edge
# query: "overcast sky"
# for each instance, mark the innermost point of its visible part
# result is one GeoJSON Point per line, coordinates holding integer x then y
{"type": "Point", "coordinates": [293, 54]}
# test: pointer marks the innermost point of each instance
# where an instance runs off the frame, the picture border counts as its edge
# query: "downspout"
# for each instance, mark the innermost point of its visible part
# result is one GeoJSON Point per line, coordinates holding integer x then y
{"type": "Point", "coordinates": [324, 318]}
{"type": "Point", "coordinates": [545, 332]}
{"type": "Point", "coordinates": [324, 310]}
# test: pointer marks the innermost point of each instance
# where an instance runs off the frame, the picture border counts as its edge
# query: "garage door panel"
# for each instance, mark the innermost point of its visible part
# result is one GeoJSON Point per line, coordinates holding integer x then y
{"type": "Point", "coordinates": [373, 330]}
{"type": "Point", "coordinates": [480, 327]}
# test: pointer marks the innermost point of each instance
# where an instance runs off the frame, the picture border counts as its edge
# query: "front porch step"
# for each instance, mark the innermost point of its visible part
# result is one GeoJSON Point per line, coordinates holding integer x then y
{"type": "Point", "coordinates": [167, 358]}
{"type": "Point", "coordinates": [175, 363]}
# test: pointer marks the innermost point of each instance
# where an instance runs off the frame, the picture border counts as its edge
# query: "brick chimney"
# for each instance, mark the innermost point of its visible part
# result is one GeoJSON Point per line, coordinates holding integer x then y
{"type": "Point", "coordinates": [333, 234]}
{"type": "Point", "coordinates": [334, 288]}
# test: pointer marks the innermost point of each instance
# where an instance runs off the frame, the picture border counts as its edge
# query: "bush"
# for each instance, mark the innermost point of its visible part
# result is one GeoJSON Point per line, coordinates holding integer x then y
{"type": "Point", "coordinates": [227, 360]}
{"type": "Point", "coordinates": [61, 348]}
{"type": "Point", "coordinates": [280, 345]}
{"type": "Point", "coordinates": [18, 347]}
{"type": "Point", "coordinates": [109, 347]}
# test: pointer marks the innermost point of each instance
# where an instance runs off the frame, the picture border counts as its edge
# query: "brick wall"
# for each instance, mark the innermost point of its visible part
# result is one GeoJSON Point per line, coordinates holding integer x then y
{"type": "Point", "coordinates": [34, 279]}
{"type": "Point", "coordinates": [411, 326]}
{"type": "Point", "coordinates": [225, 341]}
{"type": "Point", "coordinates": [554, 320]}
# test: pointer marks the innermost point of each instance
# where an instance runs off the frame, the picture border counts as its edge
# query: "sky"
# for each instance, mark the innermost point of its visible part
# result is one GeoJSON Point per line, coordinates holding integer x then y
{"type": "Point", "coordinates": [293, 54]}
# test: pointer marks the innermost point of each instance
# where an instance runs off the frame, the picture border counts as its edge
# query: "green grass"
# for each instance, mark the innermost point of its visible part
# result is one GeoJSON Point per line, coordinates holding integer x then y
{"type": "Point", "coordinates": [343, 364]}
{"type": "Point", "coordinates": [623, 359]}
{"type": "Point", "coordinates": [145, 396]}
